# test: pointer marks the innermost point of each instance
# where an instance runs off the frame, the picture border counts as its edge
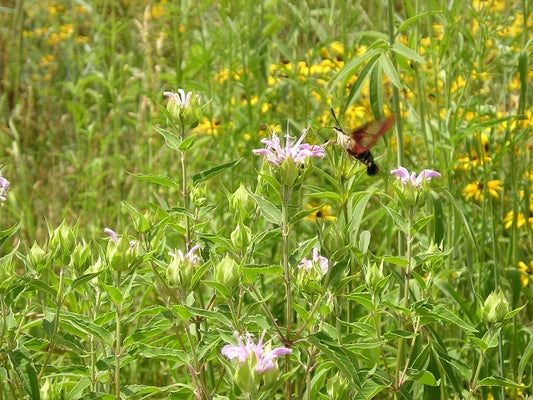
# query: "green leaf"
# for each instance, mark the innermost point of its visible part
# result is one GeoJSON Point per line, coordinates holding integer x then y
{"type": "Point", "coordinates": [210, 315]}
{"type": "Point", "coordinates": [26, 372]}
{"type": "Point", "coordinates": [376, 90]}
{"type": "Point", "coordinates": [351, 67]}
{"type": "Point", "coordinates": [79, 324]}
{"type": "Point", "coordinates": [83, 279]}
{"type": "Point", "coordinates": [336, 354]}
{"type": "Point", "coordinates": [525, 358]}
{"type": "Point", "coordinates": [210, 173]}
{"type": "Point", "coordinates": [158, 180]}
{"type": "Point", "coordinates": [218, 287]}
{"type": "Point", "coordinates": [359, 83]}
{"type": "Point", "coordinates": [399, 221]}
{"type": "Point", "coordinates": [396, 260]}
{"type": "Point", "coordinates": [448, 316]}
{"type": "Point", "coordinates": [113, 293]}
{"type": "Point", "coordinates": [364, 241]}
{"type": "Point", "coordinates": [390, 70]}
{"type": "Point", "coordinates": [4, 235]}
{"type": "Point", "coordinates": [498, 381]}
{"type": "Point", "coordinates": [424, 377]}
{"type": "Point", "coordinates": [438, 221]}
{"type": "Point", "coordinates": [162, 352]}
{"type": "Point", "coordinates": [403, 50]}
{"type": "Point", "coordinates": [271, 213]}
{"type": "Point", "coordinates": [187, 143]}
{"type": "Point", "coordinates": [365, 299]}
{"type": "Point", "coordinates": [171, 139]}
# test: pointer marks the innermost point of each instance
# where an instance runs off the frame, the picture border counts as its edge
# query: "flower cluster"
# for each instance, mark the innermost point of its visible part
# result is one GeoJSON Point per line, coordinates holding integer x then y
{"type": "Point", "coordinates": [312, 271]}
{"type": "Point", "coordinates": [317, 260]}
{"type": "Point", "coordinates": [298, 151]}
{"type": "Point", "coordinates": [407, 177]}
{"type": "Point", "coordinates": [243, 351]}
{"type": "Point", "coordinates": [412, 186]}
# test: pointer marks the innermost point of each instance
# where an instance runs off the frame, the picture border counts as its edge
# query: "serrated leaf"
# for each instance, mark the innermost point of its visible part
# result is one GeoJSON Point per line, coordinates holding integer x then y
{"type": "Point", "coordinates": [271, 213]}
{"type": "Point", "coordinates": [212, 172]}
{"type": "Point", "coordinates": [148, 351]}
{"type": "Point", "coordinates": [77, 324]}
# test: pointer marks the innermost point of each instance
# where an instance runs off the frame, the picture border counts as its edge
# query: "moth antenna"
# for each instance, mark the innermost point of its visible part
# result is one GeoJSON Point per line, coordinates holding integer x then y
{"type": "Point", "coordinates": [335, 117]}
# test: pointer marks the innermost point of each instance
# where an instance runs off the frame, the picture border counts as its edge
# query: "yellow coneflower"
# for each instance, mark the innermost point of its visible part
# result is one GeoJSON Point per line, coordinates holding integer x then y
{"type": "Point", "coordinates": [476, 190]}
{"type": "Point", "coordinates": [525, 271]}
{"type": "Point", "coordinates": [521, 219]}
{"type": "Point", "coordinates": [321, 214]}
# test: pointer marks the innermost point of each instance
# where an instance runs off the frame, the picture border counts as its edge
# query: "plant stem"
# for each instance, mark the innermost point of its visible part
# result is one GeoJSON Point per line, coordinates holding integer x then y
{"type": "Point", "coordinates": [407, 276]}
{"type": "Point", "coordinates": [185, 192]}
{"type": "Point", "coordinates": [286, 192]}
{"type": "Point", "coordinates": [117, 342]}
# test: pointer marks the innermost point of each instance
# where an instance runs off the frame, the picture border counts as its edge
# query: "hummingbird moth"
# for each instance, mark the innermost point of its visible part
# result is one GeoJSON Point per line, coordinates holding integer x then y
{"type": "Point", "coordinates": [359, 142]}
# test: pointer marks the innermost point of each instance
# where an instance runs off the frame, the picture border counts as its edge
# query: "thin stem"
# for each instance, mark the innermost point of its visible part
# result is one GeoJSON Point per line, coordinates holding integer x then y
{"type": "Point", "coordinates": [286, 192]}
{"type": "Point", "coordinates": [118, 343]}
{"type": "Point", "coordinates": [185, 192]}
{"type": "Point", "coordinates": [407, 276]}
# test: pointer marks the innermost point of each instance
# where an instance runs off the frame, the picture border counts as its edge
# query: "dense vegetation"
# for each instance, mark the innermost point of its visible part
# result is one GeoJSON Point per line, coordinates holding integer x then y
{"type": "Point", "coordinates": [157, 243]}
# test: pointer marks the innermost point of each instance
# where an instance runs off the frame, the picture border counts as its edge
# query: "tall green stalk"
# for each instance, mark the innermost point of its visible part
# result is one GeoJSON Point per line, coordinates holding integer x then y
{"type": "Point", "coordinates": [286, 192]}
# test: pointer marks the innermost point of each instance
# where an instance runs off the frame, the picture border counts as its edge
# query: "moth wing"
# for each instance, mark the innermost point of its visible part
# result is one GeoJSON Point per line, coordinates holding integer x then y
{"type": "Point", "coordinates": [366, 136]}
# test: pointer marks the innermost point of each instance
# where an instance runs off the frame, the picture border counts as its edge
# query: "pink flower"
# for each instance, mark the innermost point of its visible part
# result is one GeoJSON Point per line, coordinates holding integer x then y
{"type": "Point", "coordinates": [319, 260]}
{"type": "Point", "coordinates": [405, 177]}
{"type": "Point", "coordinates": [298, 151]}
{"type": "Point", "coordinates": [4, 187]}
{"type": "Point", "coordinates": [265, 361]}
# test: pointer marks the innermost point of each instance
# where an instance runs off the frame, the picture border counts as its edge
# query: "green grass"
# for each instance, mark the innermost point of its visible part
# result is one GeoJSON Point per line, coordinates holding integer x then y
{"type": "Point", "coordinates": [87, 143]}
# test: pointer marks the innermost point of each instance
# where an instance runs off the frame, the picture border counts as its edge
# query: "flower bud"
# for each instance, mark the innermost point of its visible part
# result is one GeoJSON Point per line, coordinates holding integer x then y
{"type": "Point", "coordinates": [181, 269]}
{"type": "Point", "coordinates": [81, 257]}
{"type": "Point", "coordinates": [241, 236]}
{"type": "Point", "coordinates": [227, 272]}
{"type": "Point", "coordinates": [36, 257]}
{"type": "Point", "coordinates": [373, 276]}
{"type": "Point", "coordinates": [122, 254]}
{"type": "Point", "coordinates": [184, 107]}
{"type": "Point", "coordinates": [62, 242]}
{"type": "Point", "coordinates": [240, 202]}
{"type": "Point", "coordinates": [199, 195]}
{"type": "Point", "coordinates": [495, 308]}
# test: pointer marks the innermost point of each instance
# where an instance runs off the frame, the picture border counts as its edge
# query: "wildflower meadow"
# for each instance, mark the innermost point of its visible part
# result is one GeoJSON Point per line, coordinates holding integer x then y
{"type": "Point", "coordinates": [215, 200]}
